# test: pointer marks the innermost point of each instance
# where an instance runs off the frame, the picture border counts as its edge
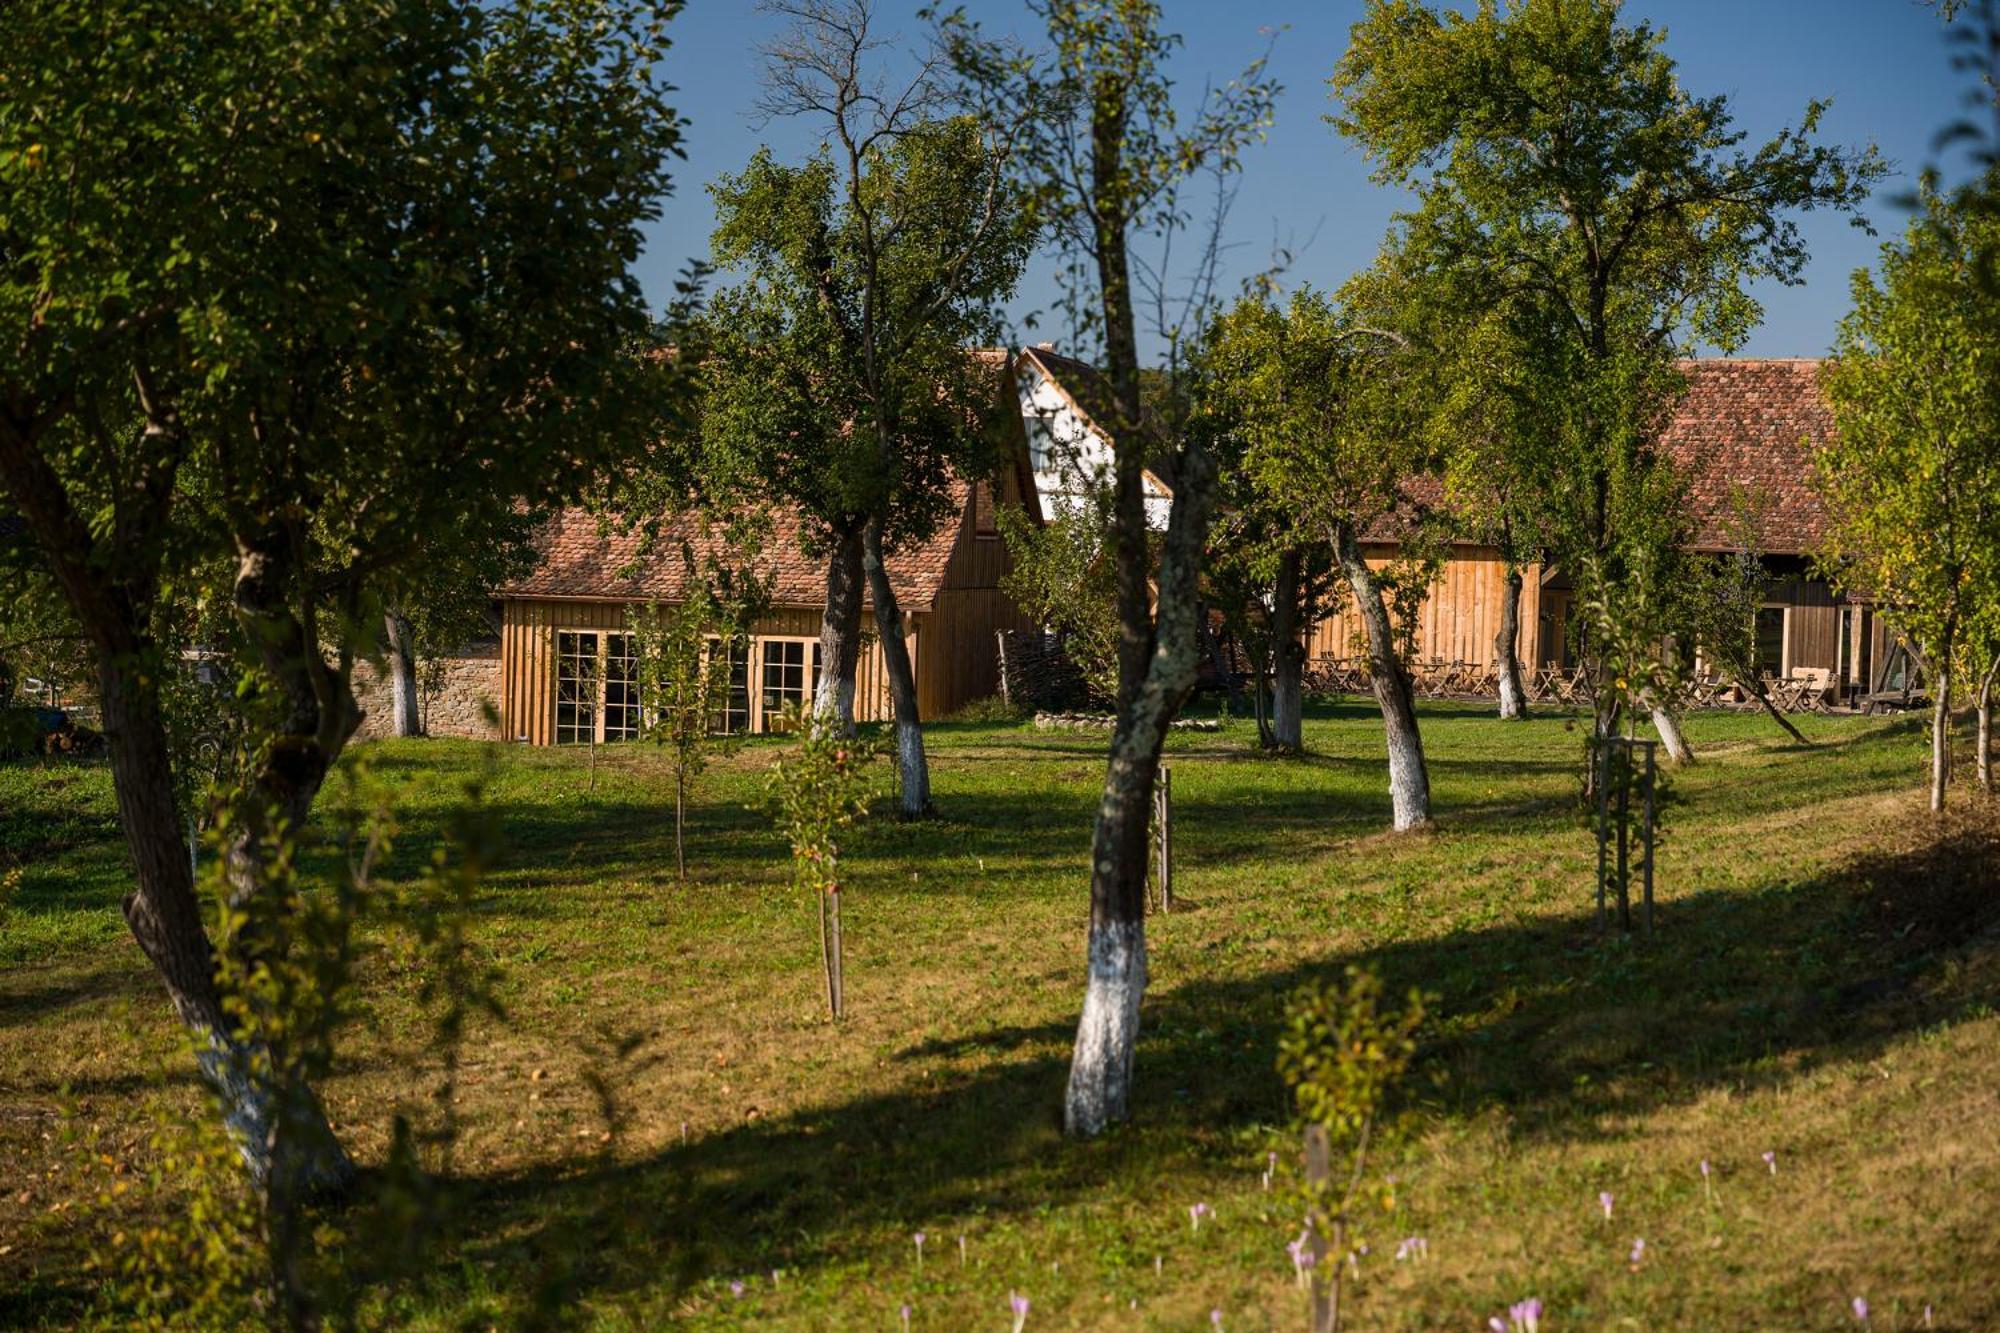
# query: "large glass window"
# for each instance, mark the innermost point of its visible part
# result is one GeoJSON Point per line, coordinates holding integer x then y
{"type": "Point", "coordinates": [577, 687]}
{"type": "Point", "coordinates": [621, 689]}
{"type": "Point", "coordinates": [597, 688]}
{"type": "Point", "coordinates": [734, 715]}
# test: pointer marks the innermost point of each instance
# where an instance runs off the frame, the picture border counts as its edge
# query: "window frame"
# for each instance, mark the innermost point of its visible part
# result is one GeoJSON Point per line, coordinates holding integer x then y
{"type": "Point", "coordinates": [601, 704]}
{"type": "Point", "coordinates": [763, 715]}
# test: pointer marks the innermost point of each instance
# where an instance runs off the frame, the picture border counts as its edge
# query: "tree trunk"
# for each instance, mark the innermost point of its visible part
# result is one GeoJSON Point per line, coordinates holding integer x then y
{"type": "Point", "coordinates": [402, 655]}
{"type": "Point", "coordinates": [840, 634]}
{"type": "Point", "coordinates": [1940, 731]}
{"type": "Point", "coordinates": [1288, 657]}
{"type": "Point", "coordinates": [1669, 728]}
{"type": "Point", "coordinates": [912, 765]}
{"type": "Point", "coordinates": [1100, 1076]}
{"type": "Point", "coordinates": [1409, 778]}
{"type": "Point", "coordinates": [1263, 664]}
{"type": "Point", "coordinates": [315, 716]}
{"type": "Point", "coordinates": [284, 1155]}
{"type": "Point", "coordinates": [1507, 649]}
{"type": "Point", "coordinates": [680, 820]}
{"type": "Point", "coordinates": [1983, 738]}
{"type": "Point", "coordinates": [1218, 662]}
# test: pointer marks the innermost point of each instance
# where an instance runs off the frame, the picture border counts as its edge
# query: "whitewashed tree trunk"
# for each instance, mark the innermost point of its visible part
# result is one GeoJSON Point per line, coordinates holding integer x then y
{"type": "Point", "coordinates": [1287, 657]}
{"type": "Point", "coordinates": [1107, 1033]}
{"type": "Point", "coordinates": [1669, 728]}
{"type": "Point", "coordinates": [1507, 649]}
{"type": "Point", "coordinates": [402, 656]}
{"type": "Point", "coordinates": [840, 634]}
{"type": "Point", "coordinates": [316, 717]}
{"type": "Point", "coordinates": [1409, 776]}
{"type": "Point", "coordinates": [912, 764]}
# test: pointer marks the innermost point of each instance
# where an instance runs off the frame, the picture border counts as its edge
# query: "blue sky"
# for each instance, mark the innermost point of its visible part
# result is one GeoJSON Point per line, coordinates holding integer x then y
{"type": "Point", "coordinates": [1883, 62]}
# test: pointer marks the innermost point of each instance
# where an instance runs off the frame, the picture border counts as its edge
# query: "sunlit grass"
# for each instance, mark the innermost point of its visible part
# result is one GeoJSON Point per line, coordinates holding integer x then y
{"type": "Point", "coordinates": [1817, 988]}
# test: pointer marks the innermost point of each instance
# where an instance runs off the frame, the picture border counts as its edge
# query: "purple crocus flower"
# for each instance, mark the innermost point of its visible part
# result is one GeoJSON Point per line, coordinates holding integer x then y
{"type": "Point", "coordinates": [1526, 1316]}
{"type": "Point", "coordinates": [918, 1237]}
{"type": "Point", "coordinates": [1638, 1250]}
{"type": "Point", "coordinates": [1019, 1304]}
{"type": "Point", "coordinates": [1196, 1212]}
{"type": "Point", "coordinates": [1215, 1318]}
{"type": "Point", "coordinates": [1771, 1160]}
{"type": "Point", "coordinates": [1604, 1202]}
{"type": "Point", "coordinates": [736, 1289]}
{"type": "Point", "coordinates": [1497, 1324]}
{"type": "Point", "coordinates": [906, 1319]}
{"type": "Point", "coordinates": [1861, 1309]}
{"type": "Point", "coordinates": [1413, 1247]}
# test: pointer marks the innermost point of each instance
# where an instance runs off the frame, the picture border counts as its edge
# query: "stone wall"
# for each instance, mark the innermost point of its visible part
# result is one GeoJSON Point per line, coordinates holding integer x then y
{"type": "Point", "coordinates": [471, 684]}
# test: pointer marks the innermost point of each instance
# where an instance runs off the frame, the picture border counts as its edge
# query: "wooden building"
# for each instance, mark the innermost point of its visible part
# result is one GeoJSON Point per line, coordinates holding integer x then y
{"type": "Point", "coordinates": [566, 650]}
{"type": "Point", "coordinates": [1746, 431]}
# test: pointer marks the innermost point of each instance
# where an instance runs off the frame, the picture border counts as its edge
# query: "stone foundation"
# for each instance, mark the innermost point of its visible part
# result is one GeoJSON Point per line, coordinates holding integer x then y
{"type": "Point", "coordinates": [471, 684]}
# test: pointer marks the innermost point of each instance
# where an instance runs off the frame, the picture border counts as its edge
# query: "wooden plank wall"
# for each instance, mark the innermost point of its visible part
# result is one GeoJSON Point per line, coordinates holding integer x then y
{"type": "Point", "coordinates": [1459, 619]}
{"type": "Point", "coordinates": [1812, 636]}
{"type": "Point", "coordinates": [527, 658]}
{"type": "Point", "coordinates": [961, 662]}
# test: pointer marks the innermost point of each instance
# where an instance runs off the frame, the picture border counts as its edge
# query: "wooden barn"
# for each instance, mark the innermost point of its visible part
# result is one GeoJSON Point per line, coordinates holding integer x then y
{"type": "Point", "coordinates": [1745, 428]}
{"type": "Point", "coordinates": [565, 652]}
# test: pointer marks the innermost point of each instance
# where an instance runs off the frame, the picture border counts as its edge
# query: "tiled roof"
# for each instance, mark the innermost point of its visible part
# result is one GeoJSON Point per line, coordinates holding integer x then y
{"type": "Point", "coordinates": [1754, 425]}
{"type": "Point", "coordinates": [579, 560]}
{"type": "Point", "coordinates": [1748, 425]}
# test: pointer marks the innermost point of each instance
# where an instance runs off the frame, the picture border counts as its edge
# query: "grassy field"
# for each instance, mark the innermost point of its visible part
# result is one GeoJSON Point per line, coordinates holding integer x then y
{"type": "Point", "coordinates": [1821, 986]}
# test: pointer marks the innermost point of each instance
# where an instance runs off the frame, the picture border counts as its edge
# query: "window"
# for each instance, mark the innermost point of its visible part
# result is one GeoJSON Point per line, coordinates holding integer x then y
{"type": "Point", "coordinates": [576, 688]}
{"type": "Point", "coordinates": [734, 715]}
{"type": "Point", "coordinates": [1771, 641]}
{"type": "Point", "coordinates": [784, 677]}
{"type": "Point", "coordinates": [621, 689]}
{"type": "Point", "coordinates": [597, 688]}
{"type": "Point", "coordinates": [985, 522]}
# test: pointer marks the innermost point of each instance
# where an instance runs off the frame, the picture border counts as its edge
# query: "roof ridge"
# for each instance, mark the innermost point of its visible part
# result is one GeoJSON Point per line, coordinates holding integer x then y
{"type": "Point", "coordinates": [1751, 360]}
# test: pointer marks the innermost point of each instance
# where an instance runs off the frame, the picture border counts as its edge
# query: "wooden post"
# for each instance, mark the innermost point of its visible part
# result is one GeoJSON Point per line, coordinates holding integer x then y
{"type": "Point", "coordinates": [1625, 837]}
{"type": "Point", "coordinates": [1601, 761]}
{"type": "Point", "coordinates": [1319, 1173]}
{"type": "Point", "coordinates": [1649, 837]}
{"type": "Point", "coordinates": [835, 993]}
{"type": "Point", "coordinates": [1164, 802]}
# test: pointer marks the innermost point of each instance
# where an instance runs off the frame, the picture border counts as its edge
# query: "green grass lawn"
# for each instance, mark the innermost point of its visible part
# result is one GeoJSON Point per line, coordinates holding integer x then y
{"type": "Point", "coordinates": [1821, 986]}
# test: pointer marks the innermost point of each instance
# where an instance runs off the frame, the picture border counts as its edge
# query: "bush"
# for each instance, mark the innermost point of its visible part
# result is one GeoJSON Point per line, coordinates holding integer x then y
{"type": "Point", "coordinates": [990, 709]}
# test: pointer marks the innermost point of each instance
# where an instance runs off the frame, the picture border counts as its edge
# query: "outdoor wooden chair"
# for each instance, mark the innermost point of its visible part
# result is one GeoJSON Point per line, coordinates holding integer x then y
{"type": "Point", "coordinates": [1815, 688]}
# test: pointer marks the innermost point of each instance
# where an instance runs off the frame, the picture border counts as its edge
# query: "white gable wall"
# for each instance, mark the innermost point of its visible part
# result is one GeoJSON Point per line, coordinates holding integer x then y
{"type": "Point", "coordinates": [1071, 460]}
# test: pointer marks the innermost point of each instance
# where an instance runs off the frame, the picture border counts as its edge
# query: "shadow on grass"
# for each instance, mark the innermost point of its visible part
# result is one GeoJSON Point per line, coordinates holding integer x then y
{"type": "Point", "coordinates": [1563, 1027]}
